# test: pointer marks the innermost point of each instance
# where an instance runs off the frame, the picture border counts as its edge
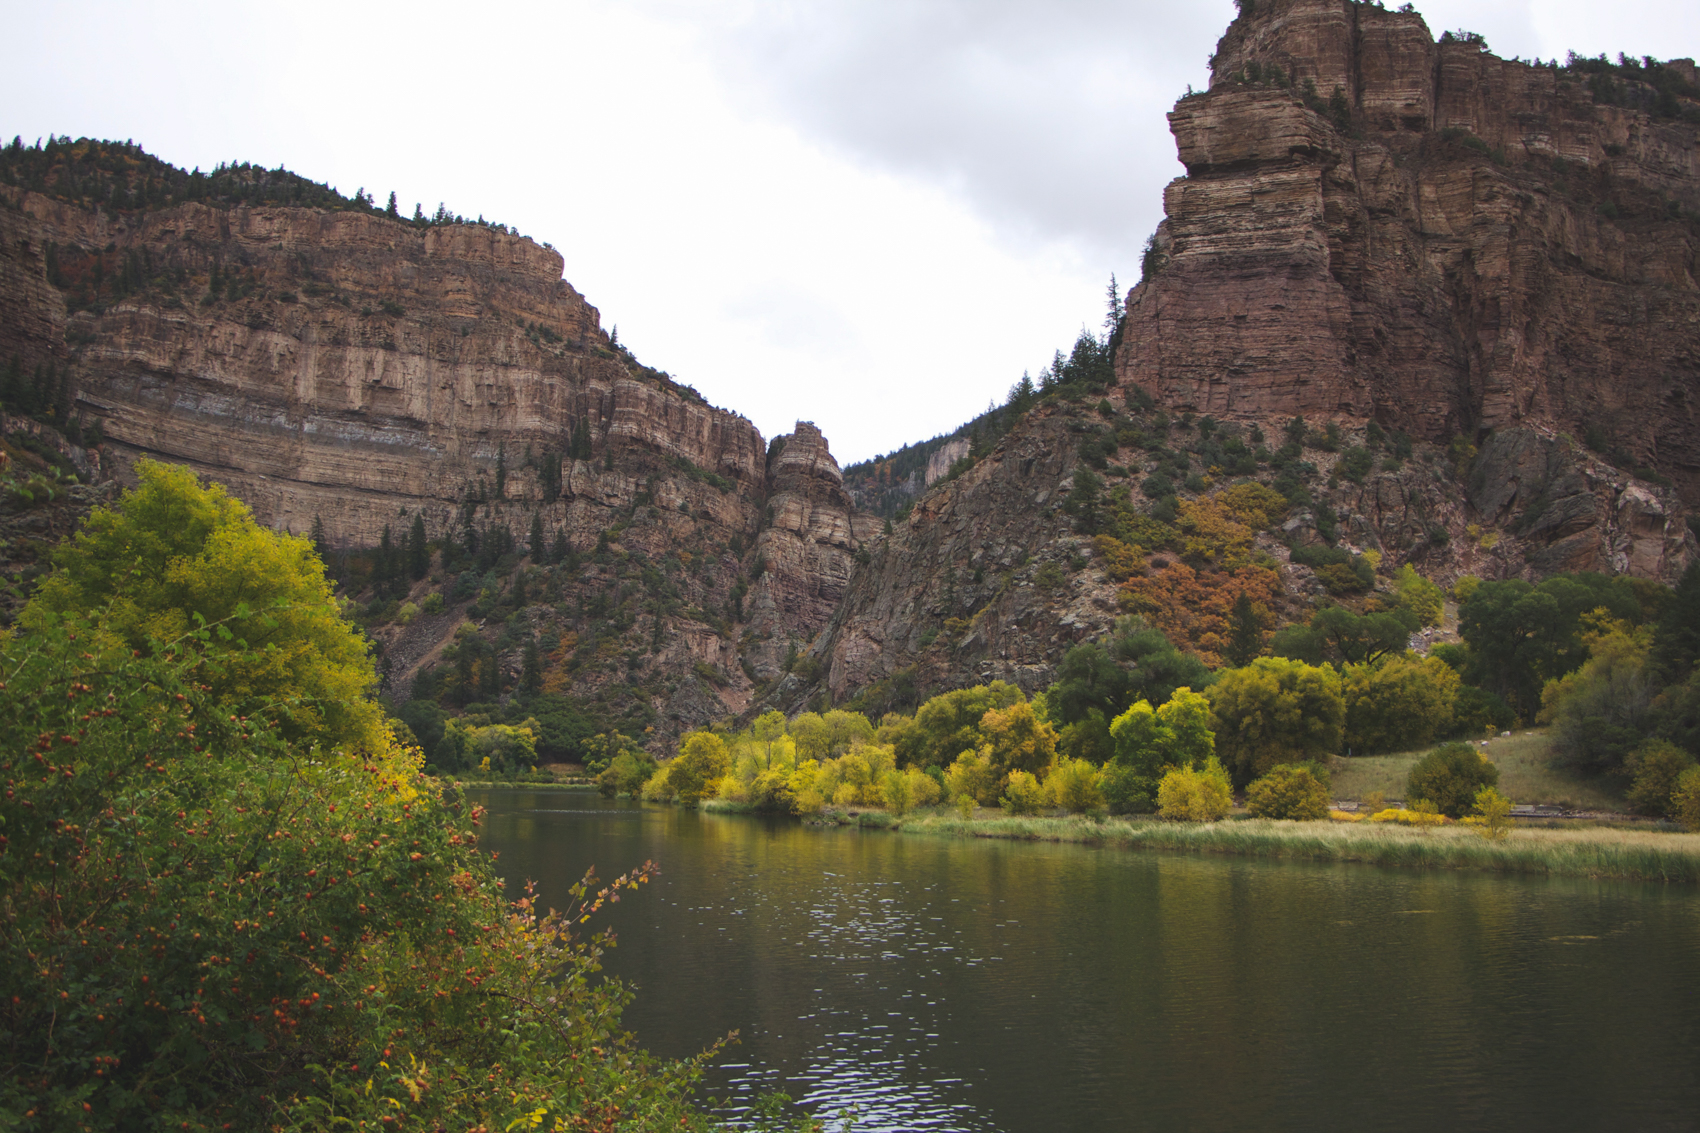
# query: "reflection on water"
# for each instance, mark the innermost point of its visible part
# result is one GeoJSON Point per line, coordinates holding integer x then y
{"type": "Point", "coordinates": [968, 985]}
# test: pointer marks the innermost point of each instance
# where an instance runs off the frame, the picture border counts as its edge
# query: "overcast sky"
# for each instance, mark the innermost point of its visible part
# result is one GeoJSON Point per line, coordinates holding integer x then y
{"type": "Point", "coordinates": [871, 214]}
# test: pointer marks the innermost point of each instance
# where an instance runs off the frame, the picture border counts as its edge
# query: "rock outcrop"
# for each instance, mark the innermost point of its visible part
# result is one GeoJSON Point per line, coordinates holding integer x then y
{"type": "Point", "coordinates": [349, 370]}
{"type": "Point", "coordinates": [1442, 241]}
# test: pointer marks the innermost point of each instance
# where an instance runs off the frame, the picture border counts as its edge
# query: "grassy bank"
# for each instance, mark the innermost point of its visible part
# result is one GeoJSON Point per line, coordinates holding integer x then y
{"type": "Point", "coordinates": [1597, 852]}
{"type": "Point", "coordinates": [1525, 775]}
{"type": "Point", "coordinates": [488, 784]}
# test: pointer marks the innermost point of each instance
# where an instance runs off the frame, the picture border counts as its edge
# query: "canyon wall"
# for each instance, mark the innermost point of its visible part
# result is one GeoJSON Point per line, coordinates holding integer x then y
{"type": "Point", "coordinates": [1443, 241]}
{"type": "Point", "coordinates": [351, 371]}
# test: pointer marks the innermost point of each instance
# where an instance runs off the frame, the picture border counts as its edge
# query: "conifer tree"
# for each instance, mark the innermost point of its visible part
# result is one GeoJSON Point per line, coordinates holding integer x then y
{"type": "Point", "coordinates": [535, 544]}
{"type": "Point", "coordinates": [320, 547]}
{"type": "Point", "coordinates": [418, 550]}
{"type": "Point", "coordinates": [1117, 310]}
{"type": "Point", "coordinates": [384, 570]}
{"type": "Point", "coordinates": [531, 669]}
{"type": "Point", "coordinates": [390, 210]}
{"type": "Point", "coordinates": [62, 403]}
{"type": "Point", "coordinates": [1245, 633]}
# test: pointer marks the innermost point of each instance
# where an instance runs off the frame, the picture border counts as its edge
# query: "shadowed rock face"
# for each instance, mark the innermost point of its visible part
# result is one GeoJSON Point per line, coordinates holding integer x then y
{"type": "Point", "coordinates": [1482, 247]}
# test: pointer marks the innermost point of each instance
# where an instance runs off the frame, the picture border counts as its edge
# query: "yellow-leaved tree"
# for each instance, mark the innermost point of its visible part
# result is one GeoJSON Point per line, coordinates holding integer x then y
{"type": "Point", "coordinates": [171, 555]}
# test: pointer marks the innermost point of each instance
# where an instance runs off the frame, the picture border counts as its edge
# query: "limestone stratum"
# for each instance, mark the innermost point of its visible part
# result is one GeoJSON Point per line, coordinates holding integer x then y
{"type": "Point", "coordinates": [1411, 304]}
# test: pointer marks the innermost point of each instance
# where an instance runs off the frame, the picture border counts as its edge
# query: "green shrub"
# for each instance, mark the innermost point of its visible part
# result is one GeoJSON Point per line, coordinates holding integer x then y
{"type": "Point", "coordinates": [1276, 710]}
{"type": "Point", "coordinates": [234, 928]}
{"type": "Point", "coordinates": [1073, 785]}
{"type": "Point", "coordinates": [1685, 800]}
{"type": "Point", "coordinates": [1022, 794]}
{"type": "Point", "coordinates": [626, 774]}
{"type": "Point", "coordinates": [1126, 790]}
{"type": "Point", "coordinates": [1196, 795]}
{"type": "Point", "coordinates": [1288, 791]}
{"type": "Point", "coordinates": [1450, 777]}
{"type": "Point", "coordinates": [1656, 766]}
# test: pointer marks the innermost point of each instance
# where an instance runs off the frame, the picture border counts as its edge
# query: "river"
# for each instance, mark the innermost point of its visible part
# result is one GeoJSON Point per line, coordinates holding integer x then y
{"type": "Point", "coordinates": [955, 984]}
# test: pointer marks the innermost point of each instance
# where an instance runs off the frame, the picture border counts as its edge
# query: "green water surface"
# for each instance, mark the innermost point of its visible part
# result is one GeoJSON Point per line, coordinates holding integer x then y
{"type": "Point", "coordinates": [944, 984]}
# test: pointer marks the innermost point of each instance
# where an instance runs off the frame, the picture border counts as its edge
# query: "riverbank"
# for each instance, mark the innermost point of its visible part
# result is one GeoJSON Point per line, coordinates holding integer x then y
{"type": "Point", "coordinates": [1595, 852]}
{"type": "Point", "coordinates": [498, 784]}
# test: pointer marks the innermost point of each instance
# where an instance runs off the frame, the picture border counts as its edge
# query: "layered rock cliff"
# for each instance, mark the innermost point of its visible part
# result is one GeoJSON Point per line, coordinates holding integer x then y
{"type": "Point", "coordinates": [346, 370]}
{"type": "Point", "coordinates": [1384, 232]}
{"type": "Point", "coordinates": [1378, 226]}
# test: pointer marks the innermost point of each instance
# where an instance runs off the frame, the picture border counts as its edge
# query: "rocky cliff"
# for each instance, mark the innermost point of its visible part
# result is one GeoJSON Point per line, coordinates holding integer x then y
{"type": "Point", "coordinates": [1475, 280]}
{"type": "Point", "coordinates": [338, 367]}
{"type": "Point", "coordinates": [1386, 232]}
{"type": "Point", "coordinates": [1375, 225]}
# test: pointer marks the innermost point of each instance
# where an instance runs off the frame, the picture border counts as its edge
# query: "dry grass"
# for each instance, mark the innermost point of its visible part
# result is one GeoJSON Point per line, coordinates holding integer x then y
{"type": "Point", "coordinates": [1525, 775]}
{"type": "Point", "coordinates": [1599, 852]}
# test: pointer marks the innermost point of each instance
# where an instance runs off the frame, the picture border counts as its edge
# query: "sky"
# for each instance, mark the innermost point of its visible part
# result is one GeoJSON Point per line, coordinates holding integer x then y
{"type": "Point", "coordinates": [870, 214]}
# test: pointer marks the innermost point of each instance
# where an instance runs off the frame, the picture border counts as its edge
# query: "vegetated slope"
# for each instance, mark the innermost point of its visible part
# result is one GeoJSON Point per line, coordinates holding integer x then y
{"type": "Point", "coordinates": [350, 372]}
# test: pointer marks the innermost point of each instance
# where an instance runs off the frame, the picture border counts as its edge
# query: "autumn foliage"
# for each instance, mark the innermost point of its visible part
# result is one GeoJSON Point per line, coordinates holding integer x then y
{"type": "Point", "coordinates": [214, 924]}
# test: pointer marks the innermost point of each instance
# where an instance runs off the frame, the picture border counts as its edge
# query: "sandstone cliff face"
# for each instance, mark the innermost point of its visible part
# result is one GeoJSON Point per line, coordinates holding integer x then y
{"type": "Point", "coordinates": [1482, 246]}
{"type": "Point", "coordinates": [355, 370]}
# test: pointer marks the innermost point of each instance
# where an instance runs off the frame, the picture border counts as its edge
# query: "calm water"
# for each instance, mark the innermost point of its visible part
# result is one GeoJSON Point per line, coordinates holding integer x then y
{"type": "Point", "coordinates": [974, 985]}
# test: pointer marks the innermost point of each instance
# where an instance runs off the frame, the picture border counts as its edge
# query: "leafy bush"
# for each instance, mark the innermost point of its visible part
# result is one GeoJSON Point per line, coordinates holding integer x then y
{"type": "Point", "coordinates": [1288, 791]}
{"type": "Point", "coordinates": [1022, 794]}
{"type": "Point", "coordinates": [626, 774]}
{"type": "Point", "coordinates": [1656, 766]}
{"type": "Point", "coordinates": [211, 924]}
{"type": "Point", "coordinates": [1196, 794]}
{"type": "Point", "coordinates": [171, 555]}
{"type": "Point", "coordinates": [1493, 814]}
{"type": "Point", "coordinates": [1685, 800]}
{"type": "Point", "coordinates": [1402, 703]}
{"type": "Point", "coordinates": [1276, 710]}
{"type": "Point", "coordinates": [1073, 786]}
{"type": "Point", "coordinates": [1126, 791]}
{"type": "Point", "coordinates": [972, 776]}
{"type": "Point", "coordinates": [1450, 777]}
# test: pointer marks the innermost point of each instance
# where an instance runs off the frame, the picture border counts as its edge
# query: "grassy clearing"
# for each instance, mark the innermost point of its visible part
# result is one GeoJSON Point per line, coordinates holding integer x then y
{"type": "Point", "coordinates": [1525, 775]}
{"type": "Point", "coordinates": [1597, 852]}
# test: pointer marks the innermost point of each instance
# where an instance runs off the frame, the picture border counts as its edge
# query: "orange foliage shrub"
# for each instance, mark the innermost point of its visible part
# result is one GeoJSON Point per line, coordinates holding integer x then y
{"type": "Point", "coordinates": [1192, 608]}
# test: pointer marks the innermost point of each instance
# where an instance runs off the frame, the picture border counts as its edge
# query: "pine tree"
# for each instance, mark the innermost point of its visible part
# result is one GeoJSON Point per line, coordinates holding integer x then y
{"type": "Point", "coordinates": [390, 210]}
{"type": "Point", "coordinates": [1118, 310]}
{"type": "Point", "coordinates": [1245, 633]}
{"type": "Point", "coordinates": [38, 398]}
{"type": "Point", "coordinates": [62, 403]}
{"type": "Point", "coordinates": [418, 550]}
{"type": "Point", "coordinates": [384, 570]}
{"type": "Point", "coordinates": [531, 669]}
{"type": "Point", "coordinates": [419, 220]}
{"type": "Point", "coordinates": [535, 544]}
{"type": "Point", "coordinates": [320, 547]}
{"type": "Point", "coordinates": [558, 552]}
